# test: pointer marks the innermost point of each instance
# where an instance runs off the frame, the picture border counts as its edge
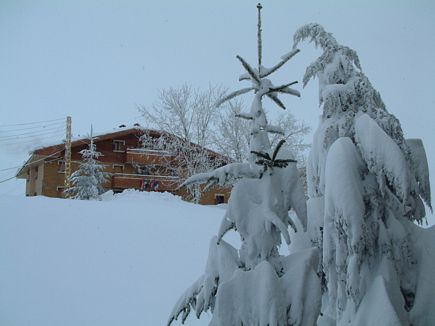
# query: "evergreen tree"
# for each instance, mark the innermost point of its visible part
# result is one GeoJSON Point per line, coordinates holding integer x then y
{"type": "Point", "coordinates": [366, 186]}
{"type": "Point", "coordinates": [255, 285]}
{"type": "Point", "coordinates": [87, 182]}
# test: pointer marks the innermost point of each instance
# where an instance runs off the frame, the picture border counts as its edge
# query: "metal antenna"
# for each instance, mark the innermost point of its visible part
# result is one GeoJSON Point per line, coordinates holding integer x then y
{"type": "Point", "coordinates": [258, 77]}
{"type": "Point", "coordinates": [259, 7]}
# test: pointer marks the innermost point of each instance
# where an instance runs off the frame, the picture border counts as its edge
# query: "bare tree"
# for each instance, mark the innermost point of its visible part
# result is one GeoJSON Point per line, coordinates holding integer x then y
{"type": "Point", "coordinates": [185, 112]}
{"type": "Point", "coordinates": [186, 116]}
{"type": "Point", "coordinates": [231, 136]}
{"type": "Point", "coordinates": [198, 125]}
{"type": "Point", "coordinates": [181, 158]}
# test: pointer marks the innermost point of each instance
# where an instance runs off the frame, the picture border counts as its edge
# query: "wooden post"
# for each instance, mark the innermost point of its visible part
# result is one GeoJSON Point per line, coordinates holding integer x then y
{"type": "Point", "coordinates": [68, 152]}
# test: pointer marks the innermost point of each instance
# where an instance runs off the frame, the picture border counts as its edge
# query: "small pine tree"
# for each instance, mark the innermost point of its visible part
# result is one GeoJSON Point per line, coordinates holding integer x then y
{"type": "Point", "coordinates": [255, 285]}
{"type": "Point", "coordinates": [87, 182]}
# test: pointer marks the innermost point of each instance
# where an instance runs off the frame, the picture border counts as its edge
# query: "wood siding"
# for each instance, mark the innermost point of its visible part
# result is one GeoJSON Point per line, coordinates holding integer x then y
{"type": "Point", "coordinates": [120, 163]}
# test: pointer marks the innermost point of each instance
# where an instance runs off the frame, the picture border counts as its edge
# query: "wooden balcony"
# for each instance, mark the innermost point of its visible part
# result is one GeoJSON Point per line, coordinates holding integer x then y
{"type": "Point", "coordinates": [139, 181]}
{"type": "Point", "coordinates": [144, 156]}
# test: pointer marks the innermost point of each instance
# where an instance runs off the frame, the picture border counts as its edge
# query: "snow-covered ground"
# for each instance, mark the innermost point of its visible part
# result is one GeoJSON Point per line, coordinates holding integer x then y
{"type": "Point", "coordinates": [121, 261]}
{"type": "Point", "coordinates": [124, 260]}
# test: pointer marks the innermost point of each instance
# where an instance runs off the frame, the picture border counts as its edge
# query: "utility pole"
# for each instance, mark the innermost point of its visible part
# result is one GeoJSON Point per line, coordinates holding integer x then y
{"type": "Point", "coordinates": [68, 152]}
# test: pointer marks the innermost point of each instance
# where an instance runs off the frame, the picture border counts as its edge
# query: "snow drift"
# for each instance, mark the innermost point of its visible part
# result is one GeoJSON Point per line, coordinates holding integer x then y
{"type": "Point", "coordinates": [109, 262]}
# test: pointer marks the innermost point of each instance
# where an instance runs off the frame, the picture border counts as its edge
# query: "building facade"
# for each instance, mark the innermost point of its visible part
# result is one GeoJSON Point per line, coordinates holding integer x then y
{"type": "Point", "coordinates": [128, 164]}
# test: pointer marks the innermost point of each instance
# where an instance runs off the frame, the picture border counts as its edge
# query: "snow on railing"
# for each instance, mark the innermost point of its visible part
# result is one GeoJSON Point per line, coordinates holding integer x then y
{"type": "Point", "coordinates": [137, 176]}
{"type": "Point", "coordinates": [149, 151]}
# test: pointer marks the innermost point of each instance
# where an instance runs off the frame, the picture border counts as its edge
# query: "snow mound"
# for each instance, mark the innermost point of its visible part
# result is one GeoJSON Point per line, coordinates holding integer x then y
{"type": "Point", "coordinates": [91, 263]}
{"type": "Point", "coordinates": [133, 194]}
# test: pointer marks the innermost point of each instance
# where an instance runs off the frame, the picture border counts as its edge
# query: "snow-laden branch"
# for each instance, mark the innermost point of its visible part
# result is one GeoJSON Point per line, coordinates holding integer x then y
{"type": "Point", "coordinates": [384, 158]}
{"type": "Point", "coordinates": [246, 116]}
{"type": "Point", "coordinates": [251, 71]}
{"type": "Point", "coordinates": [225, 175]}
{"type": "Point", "coordinates": [222, 262]}
{"type": "Point", "coordinates": [233, 95]}
{"type": "Point", "coordinates": [264, 72]}
{"type": "Point", "coordinates": [418, 156]}
{"type": "Point", "coordinates": [274, 129]}
{"type": "Point", "coordinates": [316, 33]}
{"type": "Point", "coordinates": [275, 99]}
{"type": "Point", "coordinates": [267, 71]}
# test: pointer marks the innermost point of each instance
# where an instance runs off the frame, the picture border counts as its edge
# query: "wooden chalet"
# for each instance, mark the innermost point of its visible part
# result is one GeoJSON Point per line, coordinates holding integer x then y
{"type": "Point", "coordinates": [123, 158]}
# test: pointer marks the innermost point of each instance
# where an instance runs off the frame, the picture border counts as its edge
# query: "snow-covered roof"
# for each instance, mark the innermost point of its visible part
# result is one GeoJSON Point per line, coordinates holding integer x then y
{"type": "Point", "coordinates": [54, 149]}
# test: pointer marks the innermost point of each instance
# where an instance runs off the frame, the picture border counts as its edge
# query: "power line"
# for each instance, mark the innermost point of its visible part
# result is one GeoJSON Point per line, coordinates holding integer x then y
{"type": "Point", "coordinates": [30, 145]}
{"type": "Point", "coordinates": [49, 128]}
{"type": "Point", "coordinates": [30, 163]}
{"type": "Point", "coordinates": [34, 127]}
{"type": "Point", "coordinates": [36, 132]}
{"type": "Point", "coordinates": [46, 142]}
{"type": "Point", "coordinates": [18, 137]}
{"type": "Point", "coordinates": [4, 180]}
{"type": "Point", "coordinates": [11, 168]}
{"type": "Point", "coordinates": [32, 132]}
{"type": "Point", "coordinates": [30, 123]}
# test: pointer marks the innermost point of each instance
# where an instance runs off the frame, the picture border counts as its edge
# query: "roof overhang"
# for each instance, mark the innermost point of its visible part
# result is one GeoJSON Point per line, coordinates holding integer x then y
{"type": "Point", "coordinates": [32, 161]}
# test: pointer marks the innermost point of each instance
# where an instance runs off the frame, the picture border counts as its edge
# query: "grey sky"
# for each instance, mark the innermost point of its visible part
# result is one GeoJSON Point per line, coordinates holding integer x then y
{"type": "Point", "coordinates": [95, 60]}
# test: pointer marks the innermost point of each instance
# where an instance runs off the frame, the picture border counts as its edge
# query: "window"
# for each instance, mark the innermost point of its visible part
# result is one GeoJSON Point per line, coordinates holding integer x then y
{"type": "Point", "coordinates": [118, 145]}
{"type": "Point", "coordinates": [142, 169]}
{"type": "Point", "coordinates": [219, 199]}
{"type": "Point", "coordinates": [118, 168]}
{"type": "Point", "coordinates": [36, 173]}
{"type": "Point", "coordinates": [60, 189]}
{"type": "Point", "coordinates": [61, 166]}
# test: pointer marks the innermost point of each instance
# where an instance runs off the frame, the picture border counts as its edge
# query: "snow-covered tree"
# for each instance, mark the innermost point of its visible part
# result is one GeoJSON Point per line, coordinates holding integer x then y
{"type": "Point", "coordinates": [255, 285]}
{"type": "Point", "coordinates": [181, 158]}
{"type": "Point", "coordinates": [366, 186]}
{"type": "Point", "coordinates": [87, 182]}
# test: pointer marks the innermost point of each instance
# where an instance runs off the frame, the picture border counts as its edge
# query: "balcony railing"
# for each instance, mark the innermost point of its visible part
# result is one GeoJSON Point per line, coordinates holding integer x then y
{"type": "Point", "coordinates": [148, 156]}
{"type": "Point", "coordinates": [145, 182]}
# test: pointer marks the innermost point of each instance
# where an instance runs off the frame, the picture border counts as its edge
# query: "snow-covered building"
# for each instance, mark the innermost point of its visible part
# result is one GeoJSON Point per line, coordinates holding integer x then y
{"type": "Point", "coordinates": [129, 164]}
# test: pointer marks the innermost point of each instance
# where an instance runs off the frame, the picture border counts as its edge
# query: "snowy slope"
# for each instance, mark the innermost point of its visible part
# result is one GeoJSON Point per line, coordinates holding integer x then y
{"type": "Point", "coordinates": [125, 260]}
{"type": "Point", "coordinates": [120, 261]}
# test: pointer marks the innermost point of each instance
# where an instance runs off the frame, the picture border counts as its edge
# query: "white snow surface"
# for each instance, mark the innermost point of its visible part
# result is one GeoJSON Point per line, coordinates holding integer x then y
{"type": "Point", "coordinates": [119, 261]}
{"type": "Point", "coordinates": [125, 260]}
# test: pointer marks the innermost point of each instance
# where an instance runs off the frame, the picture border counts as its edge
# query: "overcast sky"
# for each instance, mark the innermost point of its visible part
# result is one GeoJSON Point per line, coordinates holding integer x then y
{"type": "Point", "coordinates": [96, 60]}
